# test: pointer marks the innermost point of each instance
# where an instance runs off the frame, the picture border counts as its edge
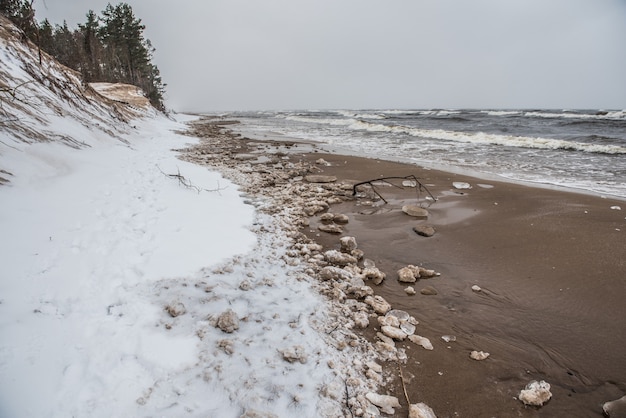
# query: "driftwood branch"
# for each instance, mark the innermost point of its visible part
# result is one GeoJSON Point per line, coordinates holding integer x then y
{"type": "Point", "coordinates": [348, 399]}
{"type": "Point", "coordinates": [406, 395]}
{"type": "Point", "coordinates": [185, 182]}
{"type": "Point", "coordinates": [419, 186]}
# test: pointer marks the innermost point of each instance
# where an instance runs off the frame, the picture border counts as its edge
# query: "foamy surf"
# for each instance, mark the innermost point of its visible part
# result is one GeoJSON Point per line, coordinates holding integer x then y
{"type": "Point", "coordinates": [576, 149]}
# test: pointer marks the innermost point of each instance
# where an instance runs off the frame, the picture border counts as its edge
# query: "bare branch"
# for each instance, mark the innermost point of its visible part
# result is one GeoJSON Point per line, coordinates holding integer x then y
{"type": "Point", "coordinates": [371, 183]}
{"type": "Point", "coordinates": [348, 399]}
{"type": "Point", "coordinates": [185, 182]}
{"type": "Point", "coordinates": [10, 94]}
{"type": "Point", "coordinates": [406, 395]}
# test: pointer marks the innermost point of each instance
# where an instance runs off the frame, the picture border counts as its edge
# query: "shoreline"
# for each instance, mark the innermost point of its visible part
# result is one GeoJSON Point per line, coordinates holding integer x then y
{"type": "Point", "coordinates": [484, 234]}
{"type": "Point", "coordinates": [465, 171]}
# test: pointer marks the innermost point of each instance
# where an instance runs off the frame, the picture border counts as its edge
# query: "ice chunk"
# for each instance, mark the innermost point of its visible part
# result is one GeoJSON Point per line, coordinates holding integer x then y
{"type": "Point", "coordinates": [461, 185]}
{"type": "Point", "coordinates": [407, 327]}
{"type": "Point", "coordinates": [423, 341]}
{"type": "Point", "coordinates": [536, 393]}
{"type": "Point", "coordinates": [401, 315]}
{"type": "Point", "coordinates": [479, 355]}
{"type": "Point", "coordinates": [386, 403]}
{"type": "Point", "coordinates": [393, 332]}
{"type": "Point", "coordinates": [421, 410]}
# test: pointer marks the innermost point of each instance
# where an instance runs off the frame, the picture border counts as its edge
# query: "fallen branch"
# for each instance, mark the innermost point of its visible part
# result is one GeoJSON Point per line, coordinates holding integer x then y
{"type": "Point", "coordinates": [419, 186]}
{"type": "Point", "coordinates": [406, 395]}
{"type": "Point", "coordinates": [348, 399]}
{"type": "Point", "coordinates": [183, 181]}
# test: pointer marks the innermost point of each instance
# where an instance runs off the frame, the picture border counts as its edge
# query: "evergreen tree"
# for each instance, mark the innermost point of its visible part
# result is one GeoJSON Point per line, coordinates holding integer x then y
{"type": "Point", "coordinates": [46, 37]}
{"type": "Point", "coordinates": [110, 48]}
{"type": "Point", "coordinates": [92, 47]}
{"type": "Point", "coordinates": [122, 35]}
{"type": "Point", "coordinates": [22, 14]}
{"type": "Point", "coordinates": [10, 8]}
{"type": "Point", "coordinates": [129, 54]}
{"type": "Point", "coordinates": [66, 47]}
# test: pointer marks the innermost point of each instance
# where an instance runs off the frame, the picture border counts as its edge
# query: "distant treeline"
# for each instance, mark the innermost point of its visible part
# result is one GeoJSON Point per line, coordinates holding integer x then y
{"type": "Point", "coordinates": [106, 48]}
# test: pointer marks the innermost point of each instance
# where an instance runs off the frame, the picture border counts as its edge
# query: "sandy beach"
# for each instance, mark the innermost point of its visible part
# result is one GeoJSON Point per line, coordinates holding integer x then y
{"type": "Point", "coordinates": [533, 276]}
{"type": "Point", "coordinates": [550, 266]}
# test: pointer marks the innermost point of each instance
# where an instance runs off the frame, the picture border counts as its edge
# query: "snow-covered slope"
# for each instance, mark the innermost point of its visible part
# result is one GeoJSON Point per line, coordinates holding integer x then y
{"type": "Point", "coordinates": [124, 293]}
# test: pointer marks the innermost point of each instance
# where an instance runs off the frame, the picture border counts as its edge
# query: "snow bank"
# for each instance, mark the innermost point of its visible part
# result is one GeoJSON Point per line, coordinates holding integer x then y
{"type": "Point", "coordinates": [136, 284]}
{"type": "Point", "coordinates": [86, 237]}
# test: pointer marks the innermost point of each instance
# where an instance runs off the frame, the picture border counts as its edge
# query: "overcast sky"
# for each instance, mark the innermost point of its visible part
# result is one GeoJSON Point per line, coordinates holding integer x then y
{"type": "Point", "coordinates": [330, 54]}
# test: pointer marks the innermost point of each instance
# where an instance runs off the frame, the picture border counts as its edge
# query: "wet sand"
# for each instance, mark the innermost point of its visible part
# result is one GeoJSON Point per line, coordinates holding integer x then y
{"type": "Point", "coordinates": [552, 269]}
{"type": "Point", "coordinates": [550, 265]}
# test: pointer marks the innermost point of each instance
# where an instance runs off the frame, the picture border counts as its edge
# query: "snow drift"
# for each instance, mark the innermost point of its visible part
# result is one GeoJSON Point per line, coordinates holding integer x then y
{"type": "Point", "coordinates": [115, 276]}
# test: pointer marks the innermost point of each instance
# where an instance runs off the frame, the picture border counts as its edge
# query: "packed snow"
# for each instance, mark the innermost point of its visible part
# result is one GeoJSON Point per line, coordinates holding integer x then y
{"type": "Point", "coordinates": [114, 275]}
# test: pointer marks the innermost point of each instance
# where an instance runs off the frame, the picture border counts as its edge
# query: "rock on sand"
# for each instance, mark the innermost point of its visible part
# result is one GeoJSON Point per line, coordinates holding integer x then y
{"type": "Point", "coordinates": [317, 178]}
{"type": "Point", "coordinates": [424, 230]}
{"type": "Point", "coordinates": [429, 291]}
{"type": "Point", "coordinates": [415, 211]}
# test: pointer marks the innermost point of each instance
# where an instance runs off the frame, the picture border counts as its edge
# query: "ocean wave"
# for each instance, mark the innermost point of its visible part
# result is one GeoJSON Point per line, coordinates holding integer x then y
{"type": "Point", "coordinates": [322, 121]}
{"type": "Point", "coordinates": [612, 115]}
{"type": "Point", "coordinates": [502, 112]}
{"type": "Point", "coordinates": [352, 115]}
{"type": "Point", "coordinates": [466, 137]}
{"type": "Point", "coordinates": [420, 112]}
{"type": "Point", "coordinates": [568, 114]}
{"type": "Point", "coordinates": [490, 139]}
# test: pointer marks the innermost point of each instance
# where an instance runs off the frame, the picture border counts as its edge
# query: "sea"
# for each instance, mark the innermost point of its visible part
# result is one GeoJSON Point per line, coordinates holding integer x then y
{"type": "Point", "coordinates": [584, 150]}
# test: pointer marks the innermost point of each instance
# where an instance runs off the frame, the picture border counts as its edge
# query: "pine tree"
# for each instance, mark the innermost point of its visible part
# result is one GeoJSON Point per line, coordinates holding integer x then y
{"type": "Point", "coordinates": [128, 53]}
{"type": "Point", "coordinates": [10, 8]}
{"type": "Point", "coordinates": [110, 48]}
{"type": "Point", "coordinates": [92, 47]}
{"type": "Point", "coordinates": [22, 14]}
{"type": "Point", "coordinates": [66, 46]}
{"type": "Point", "coordinates": [46, 37]}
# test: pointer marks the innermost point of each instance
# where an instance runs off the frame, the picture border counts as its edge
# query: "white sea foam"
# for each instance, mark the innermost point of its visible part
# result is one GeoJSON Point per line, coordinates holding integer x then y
{"type": "Point", "coordinates": [542, 157]}
{"type": "Point", "coordinates": [353, 115]}
{"type": "Point", "coordinates": [335, 122]}
{"type": "Point", "coordinates": [614, 114]}
{"type": "Point", "coordinates": [501, 112]}
{"type": "Point", "coordinates": [493, 139]}
{"type": "Point", "coordinates": [468, 137]}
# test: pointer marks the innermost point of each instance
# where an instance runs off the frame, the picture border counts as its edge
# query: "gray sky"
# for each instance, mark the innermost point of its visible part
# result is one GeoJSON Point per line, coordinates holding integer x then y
{"type": "Point", "coordinates": [329, 54]}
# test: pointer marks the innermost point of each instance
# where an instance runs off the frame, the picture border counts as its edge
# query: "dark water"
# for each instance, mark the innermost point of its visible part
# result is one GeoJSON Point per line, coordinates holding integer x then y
{"type": "Point", "coordinates": [581, 149]}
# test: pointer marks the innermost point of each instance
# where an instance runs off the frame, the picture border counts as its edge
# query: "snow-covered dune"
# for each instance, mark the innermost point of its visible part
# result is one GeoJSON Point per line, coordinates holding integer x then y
{"type": "Point", "coordinates": [124, 292]}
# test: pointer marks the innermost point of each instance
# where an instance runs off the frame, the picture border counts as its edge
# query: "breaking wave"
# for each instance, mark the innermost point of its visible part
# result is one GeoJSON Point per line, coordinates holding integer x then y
{"type": "Point", "coordinates": [469, 137]}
